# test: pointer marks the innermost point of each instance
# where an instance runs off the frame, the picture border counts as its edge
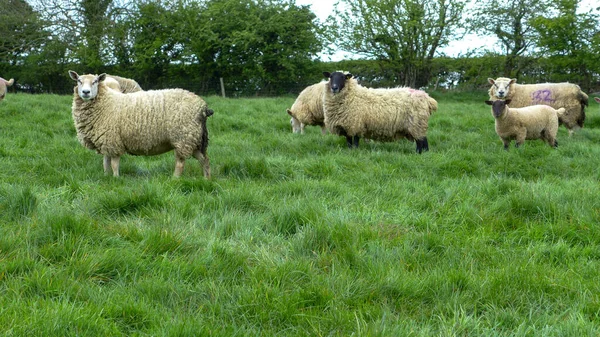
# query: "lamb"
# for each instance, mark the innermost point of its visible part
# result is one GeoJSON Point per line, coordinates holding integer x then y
{"type": "Point", "coordinates": [141, 123]}
{"type": "Point", "coordinates": [308, 108]}
{"type": "Point", "coordinates": [354, 111]}
{"type": "Point", "coordinates": [126, 85]}
{"type": "Point", "coordinates": [3, 84]}
{"type": "Point", "coordinates": [556, 95]}
{"type": "Point", "coordinates": [531, 122]}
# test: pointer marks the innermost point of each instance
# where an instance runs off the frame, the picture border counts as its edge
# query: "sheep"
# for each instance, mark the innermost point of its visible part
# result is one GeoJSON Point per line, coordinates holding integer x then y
{"type": "Point", "coordinates": [3, 84]}
{"type": "Point", "coordinates": [597, 99]}
{"type": "Point", "coordinates": [308, 108]}
{"type": "Point", "coordinates": [112, 83]}
{"type": "Point", "coordinates": [531, 122]}
{"type": "Point", "coordinates": [126, 85]}
{"type": "Point", "coordinates": [354, 111]}
{"type": "Point", "coordinates": [141, 123]}
{"type": "Point", "coordinates": [556, 95]}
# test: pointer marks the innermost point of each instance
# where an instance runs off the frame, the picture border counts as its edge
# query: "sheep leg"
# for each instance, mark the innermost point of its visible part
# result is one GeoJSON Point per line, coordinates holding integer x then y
{"type": "Point", "coordinates": [203, 159]}
{"type": "Point", "coordinates": [506, 143]}
{"type": "Point", "coordinates": [114, 163]}
{"type": "Point", "coordinates": [352, 141]}
{"type": "Point", "coordinates": [106, 165]}
{"type": "Point", "coordinates": [422, 145]}
{"type": "Point", "coordinates": [323, 130]}
{"type": "Point", "coordinates": [179, 164]}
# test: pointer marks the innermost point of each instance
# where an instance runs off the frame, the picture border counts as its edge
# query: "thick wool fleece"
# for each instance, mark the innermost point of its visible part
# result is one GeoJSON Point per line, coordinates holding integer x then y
{"type": "Point", "coordinates": [3, 84]}
{"type": "Point", "coordinates": [378, 114]}
{"type": "Point", "coordinates": [532, 122]}
{"type": "Point", "coordinates": [556, 95]}
{"type": "Point", "coordinates": [141, 123]}
{"type": "Point", "coordinates": [127, 85]}
{"type": "Point", "coordinates": [308, 107]}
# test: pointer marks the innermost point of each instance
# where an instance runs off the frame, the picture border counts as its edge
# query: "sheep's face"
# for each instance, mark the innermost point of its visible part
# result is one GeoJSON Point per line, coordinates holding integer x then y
{"type": "Point", "coordinates": [498, 107]}
{"type": "Point", "coordinates": [501, 86]}
{"type": "Point", "coordinates": [337, 81]}
{"type": "Point", "coordinates": [87, 85]}
{"type": "Point", "coordinates": [296, 127]}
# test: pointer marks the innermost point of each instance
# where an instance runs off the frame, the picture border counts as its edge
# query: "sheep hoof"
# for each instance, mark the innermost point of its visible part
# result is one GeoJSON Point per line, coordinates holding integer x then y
{"type": "Point", "coordinates": [422, 145]}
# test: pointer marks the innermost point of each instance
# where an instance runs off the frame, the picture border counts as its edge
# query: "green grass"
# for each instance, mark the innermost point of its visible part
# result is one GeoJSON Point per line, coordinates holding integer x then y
{"type": "Point", "coordinates": [296, 235]}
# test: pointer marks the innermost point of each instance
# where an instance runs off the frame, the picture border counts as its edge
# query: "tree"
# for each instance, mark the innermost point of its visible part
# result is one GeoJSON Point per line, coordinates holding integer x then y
{"type": "Point", "coordinates": [21, 30]}
{"type": "Point", "coordinates": [402, 35]}
{"type": "Point", "coordinates": [510, 21]}
{"type": "Point", "coordinates": [571, 40]}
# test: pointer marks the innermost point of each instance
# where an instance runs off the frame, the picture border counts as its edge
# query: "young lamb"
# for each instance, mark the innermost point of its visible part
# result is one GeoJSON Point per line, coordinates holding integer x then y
{"type": "Point", "coordinates": [140, 123]}
{"type": "Point", "coordinates": [532, 122]}
{"type": "Point", "coordinates": [354, 111]}
{"type": "Point", "coordinates": [126, 85]}
{"type": "Point", "coordinates": [3, 84]}
{"type": "Point", "coordinates": [308, 108]}
{"type": "Point", "coordinates": [556, 95]}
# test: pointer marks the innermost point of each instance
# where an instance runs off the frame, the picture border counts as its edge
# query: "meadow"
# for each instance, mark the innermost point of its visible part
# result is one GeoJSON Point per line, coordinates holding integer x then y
{"type": "Point", "coordinates": [297, 235]}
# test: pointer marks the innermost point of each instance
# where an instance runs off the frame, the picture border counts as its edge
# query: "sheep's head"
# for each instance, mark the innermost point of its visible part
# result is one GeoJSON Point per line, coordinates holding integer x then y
{"type": "Point", "coordinates": [597, 99]}
{"type": "Point", "coordinates": [87, 85]}
{"type": "Point", "coordinates": [337, 80]}
{"type": "Point", "coordinates": [498, 106]}
{"type": "Point", "coordinates": [501, 86]}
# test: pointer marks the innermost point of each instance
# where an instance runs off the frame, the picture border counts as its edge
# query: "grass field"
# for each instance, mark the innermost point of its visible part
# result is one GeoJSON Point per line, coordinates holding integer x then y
{"type": "Point", "coordinates": [296, 235]}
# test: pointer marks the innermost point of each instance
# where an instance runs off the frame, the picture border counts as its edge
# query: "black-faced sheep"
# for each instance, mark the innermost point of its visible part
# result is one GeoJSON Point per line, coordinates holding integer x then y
{"type": "Point", "coordinates": [532, 122]}
{"type": "Point", "coordinates": [140, 123]}
{"type": "Point", "coordinates": [354, 111]}
{"type": "Point", "coordinates": [556, 95]}
{"type": "Point", "coordinates": [308, 108]}
{"type": "Point", "coordinates": [3, 84]}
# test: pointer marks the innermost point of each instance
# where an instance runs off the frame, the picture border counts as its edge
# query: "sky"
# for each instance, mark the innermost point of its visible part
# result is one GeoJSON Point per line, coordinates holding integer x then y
{"type": "Point", "coordinates": [323, 8]}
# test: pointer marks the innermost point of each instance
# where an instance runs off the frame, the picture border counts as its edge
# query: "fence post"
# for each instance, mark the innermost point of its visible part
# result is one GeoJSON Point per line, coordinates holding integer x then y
{"type": "Point", "coordinates": [222, 86]}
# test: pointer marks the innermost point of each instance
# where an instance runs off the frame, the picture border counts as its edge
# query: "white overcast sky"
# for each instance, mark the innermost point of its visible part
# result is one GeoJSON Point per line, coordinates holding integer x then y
{"type": "Point", "coordinates": [323, 8]}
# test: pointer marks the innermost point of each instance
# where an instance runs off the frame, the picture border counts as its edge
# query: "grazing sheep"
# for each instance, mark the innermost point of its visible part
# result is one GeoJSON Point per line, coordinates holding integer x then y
{"type": "Point", "coordinates": [354, 111]}
{"type": "Point", "coordinates": [531, 122]}
{"type": "Point", "coordinates": [308, 108]}
{"type": "Point", "coordinates": [140, 123]}
{"type": "Point", "coordinates": [126, 85]}
{"type": "Point", "coordinates": [556, 95]}
{"type": "Point", "coordinates": [3, 84]}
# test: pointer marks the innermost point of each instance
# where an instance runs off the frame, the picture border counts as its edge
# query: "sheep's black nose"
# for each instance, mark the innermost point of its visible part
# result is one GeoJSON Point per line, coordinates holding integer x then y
{"type": "Point", "coordinates": [86, 92]}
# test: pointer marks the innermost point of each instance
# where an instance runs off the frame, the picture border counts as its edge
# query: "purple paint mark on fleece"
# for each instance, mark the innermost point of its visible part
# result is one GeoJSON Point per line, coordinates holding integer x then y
{"type": "Point", "coordinates": [542, 96]}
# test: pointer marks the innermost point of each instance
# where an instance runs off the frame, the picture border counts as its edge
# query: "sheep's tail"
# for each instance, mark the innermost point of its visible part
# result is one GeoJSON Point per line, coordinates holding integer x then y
{"type": "Point", "coordinates": [433, 105]}
{"type": "Point", "coordinates": [9, 82]}
{"type": "Point", "coordinates": [560, 111]}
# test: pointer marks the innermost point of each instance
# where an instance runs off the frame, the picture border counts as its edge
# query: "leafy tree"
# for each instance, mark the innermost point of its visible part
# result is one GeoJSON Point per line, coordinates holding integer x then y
{"type": "Point", "coordinates": [403, 35]}
{"type": "Point", "coordinates": [511, 22]}
{"type": "Point", "coordinates": [571, 41]}
{"type": "Point", "coordinates": [21, 30]}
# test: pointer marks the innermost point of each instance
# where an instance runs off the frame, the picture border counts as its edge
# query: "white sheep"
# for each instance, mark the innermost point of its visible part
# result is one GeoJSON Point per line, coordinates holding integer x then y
{"type": "Point", "coordinates": [556, 95]}
{"type": "Point", "coordinates": [140, 123]}
{"type": "Point", "coordinates": [354, 111]}
{"type": "Point", "coordinates": [3, 84]}
{"type": "Point", "coordinates": [126, 85]}
{"type": "Point", "coordinates": [308, 108]}
{"type": "Point", "coordinates": [531, 122]}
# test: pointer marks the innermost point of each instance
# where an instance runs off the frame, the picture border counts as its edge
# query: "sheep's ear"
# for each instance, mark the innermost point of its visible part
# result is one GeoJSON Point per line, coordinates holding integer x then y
{"type": "Point", "coordinates": [289, 112]}
{"type": "Point", "coordinates": [101, 77]}
{"type": "Point", "coordinates": [73, 75]}
{"type": "Point", "coordinates": [489, 102]}
{"type": "Point", "coordinates": [491, 80]}
{"type": "Point", "coordinates": [514, 80]}
{"type": "Point", "coordinates": [597, 99]}
{"type": "Point", "coordinates": [507, 102]}
{"type": "Point", "coordinates": [327, 74]}
{"type": "Point", "coordinates": [349, 76]}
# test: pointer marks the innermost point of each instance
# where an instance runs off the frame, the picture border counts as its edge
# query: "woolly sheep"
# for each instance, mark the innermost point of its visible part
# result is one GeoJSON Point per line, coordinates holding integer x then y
{"type": "Point", "coordinates": [354, 111]}
{"type": "Point", "coordinates": [126, 85]}
{"type": "Point", "coordinates": [3, 84]}
{"type": "Point", "coordinates": [140, 123]}
{"type": "Point", "coordinates": [308, 108]}
{"type": "Point", "coordinates": [531, 122]}
{"type": "Point", "coordinates": [556, 95]}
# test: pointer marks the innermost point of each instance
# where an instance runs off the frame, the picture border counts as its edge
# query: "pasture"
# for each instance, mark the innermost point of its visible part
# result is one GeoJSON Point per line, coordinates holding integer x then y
{"type": "Point", "coordinates": [296, 235]}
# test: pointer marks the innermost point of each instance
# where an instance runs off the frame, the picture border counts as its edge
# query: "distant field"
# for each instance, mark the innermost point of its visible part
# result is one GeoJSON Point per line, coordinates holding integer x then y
{"type": "Point", "coordinates": [296, 235]}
